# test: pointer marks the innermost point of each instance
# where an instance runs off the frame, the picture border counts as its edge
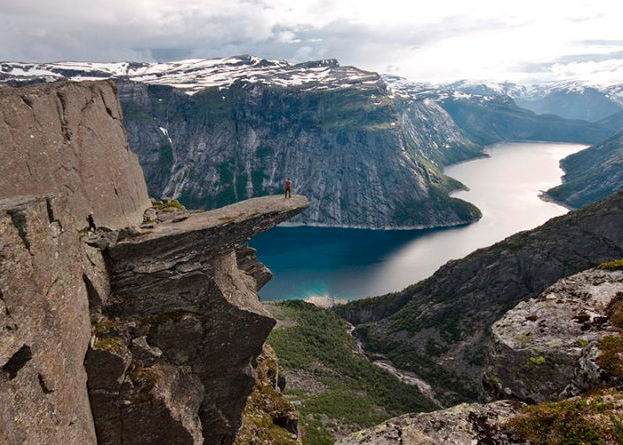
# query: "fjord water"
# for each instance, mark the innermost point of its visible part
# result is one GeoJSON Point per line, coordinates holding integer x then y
{"type": "Point", "coordinates": [355, 263]}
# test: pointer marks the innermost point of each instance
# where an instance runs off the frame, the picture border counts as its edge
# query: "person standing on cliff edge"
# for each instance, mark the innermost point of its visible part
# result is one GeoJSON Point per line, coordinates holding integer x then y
{"type": "Point", "coordinates": [288, 187]}
{"type": "Point", "coordinates": [91, 221]}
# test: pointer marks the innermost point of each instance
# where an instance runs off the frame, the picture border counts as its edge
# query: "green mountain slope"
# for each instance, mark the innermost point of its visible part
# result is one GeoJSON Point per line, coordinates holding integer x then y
{"type": "Point", "coordinates": [439, 327]}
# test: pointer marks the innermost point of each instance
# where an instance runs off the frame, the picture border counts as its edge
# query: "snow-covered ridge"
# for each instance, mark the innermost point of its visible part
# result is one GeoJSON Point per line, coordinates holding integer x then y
{"type": "Point", "coordinates": [407, 89]}
{"type": "Point", "coordinates": [612, 90]}
{"type": "Point", "coordinates": [194, 75]}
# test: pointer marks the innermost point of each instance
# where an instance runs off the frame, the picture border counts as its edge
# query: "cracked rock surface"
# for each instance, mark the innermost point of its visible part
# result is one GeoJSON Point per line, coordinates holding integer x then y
{"type": "Point", "coordinates": [546, 348]}
{"type": "Point", "coordinates": [173, 355]}
{"type": "Point", "coordinates": [69, 138]}
{"type": "Point", "coordinates": [44, 326]}
{"type": "Point", "coordinates": [464, 424]}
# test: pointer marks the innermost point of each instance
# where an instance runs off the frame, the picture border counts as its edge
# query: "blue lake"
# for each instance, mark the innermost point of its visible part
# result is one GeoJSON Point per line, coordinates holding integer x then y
{"type": "Point", "coordinates": [356, 263]}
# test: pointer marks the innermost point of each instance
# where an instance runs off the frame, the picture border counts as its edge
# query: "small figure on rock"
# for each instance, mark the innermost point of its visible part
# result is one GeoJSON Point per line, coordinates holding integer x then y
{"type": "Point", "coordinates": [91, 222]}
{"type": "Point", "coordinates": [288, 187]}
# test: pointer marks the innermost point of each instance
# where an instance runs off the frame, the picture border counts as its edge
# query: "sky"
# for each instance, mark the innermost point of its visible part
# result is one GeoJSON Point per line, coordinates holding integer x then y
{"type": "Point", "coordinates": [432, 40]}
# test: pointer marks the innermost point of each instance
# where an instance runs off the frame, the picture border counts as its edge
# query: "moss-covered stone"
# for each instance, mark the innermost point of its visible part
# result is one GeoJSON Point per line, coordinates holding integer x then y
{"type": "Point", "coordinates": [113, 344]}
{"type": "Point", "coordinates": [612, 265]}
{"type": "Point", "coordinates": [170, 205]}
{"type": "Point", "coordinates": [268, 417]}
{"type": "Point", "coordinates": [592, 419]}
{"type": "Point", "coordinates": [537, 360]}
{"type": "Point", "coordinates": [611, 357]}
{"type": "Point", "coordinates": [143, 378]}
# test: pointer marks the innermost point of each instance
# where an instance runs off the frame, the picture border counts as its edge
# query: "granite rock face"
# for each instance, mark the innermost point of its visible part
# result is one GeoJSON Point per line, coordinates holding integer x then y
{"type": "Point", "coordinates": [69, 138]}
{"type": "Point", "coordinates": [364, 158]}
{"type": "Point", "coordinates": [546, 348]}
{"type": "Point", "coordinates": [175, 342]}
{"type": "Point", "coordinates": [465, 424]}
{"type": "Point", "coordinates": [44, 326]}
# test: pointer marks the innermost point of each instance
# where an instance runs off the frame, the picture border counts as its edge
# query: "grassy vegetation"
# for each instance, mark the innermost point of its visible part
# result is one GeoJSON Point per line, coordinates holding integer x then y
{"type": "Point", "coordinates": [173, 204]}
{"type": "Point", "coordinates": [593, 419]}
{"type": "Point", "coordinates": [424, 365]}
{"type": "Point", "coordinates": [611, 346]}
{"type": "Point", "coordinates": [346, 392]}
{"type": "Point", "coordinates": [612, 265]}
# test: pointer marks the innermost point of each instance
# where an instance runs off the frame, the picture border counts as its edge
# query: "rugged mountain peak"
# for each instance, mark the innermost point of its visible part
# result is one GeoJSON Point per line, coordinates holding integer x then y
{"type": "Point", "coordinates": [194, 75]}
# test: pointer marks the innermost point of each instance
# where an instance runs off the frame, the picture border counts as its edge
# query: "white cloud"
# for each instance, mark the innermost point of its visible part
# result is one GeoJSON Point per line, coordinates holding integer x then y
{"type": "Point", "coordinates": [439, 40]}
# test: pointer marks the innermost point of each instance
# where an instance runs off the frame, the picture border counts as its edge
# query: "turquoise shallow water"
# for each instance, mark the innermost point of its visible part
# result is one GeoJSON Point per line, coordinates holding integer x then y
{"type": "Point", "coordinates": [355, 263]}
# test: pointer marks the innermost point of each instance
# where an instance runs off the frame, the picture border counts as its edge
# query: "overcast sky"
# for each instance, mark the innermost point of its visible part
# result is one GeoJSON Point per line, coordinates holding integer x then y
{"type": "Point", "coordinates": [435, 40]}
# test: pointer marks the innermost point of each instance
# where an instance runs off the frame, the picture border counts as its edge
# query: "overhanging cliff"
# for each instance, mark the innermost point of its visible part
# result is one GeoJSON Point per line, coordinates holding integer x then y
{"type": "Point", "coordinates": [175, 340]}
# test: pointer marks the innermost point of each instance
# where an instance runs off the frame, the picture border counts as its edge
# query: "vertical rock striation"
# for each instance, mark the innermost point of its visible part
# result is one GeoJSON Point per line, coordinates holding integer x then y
{"type": "Point", "coordinates": [44, 326]}
{"type": "Point", "coordinates": [69, 138]}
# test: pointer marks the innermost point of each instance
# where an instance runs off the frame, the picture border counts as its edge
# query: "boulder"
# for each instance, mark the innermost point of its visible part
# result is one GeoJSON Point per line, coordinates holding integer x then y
{"type": "Point", "coordinates": [464, 424]}
{"type": "Point", "coordinates": [547, 348]}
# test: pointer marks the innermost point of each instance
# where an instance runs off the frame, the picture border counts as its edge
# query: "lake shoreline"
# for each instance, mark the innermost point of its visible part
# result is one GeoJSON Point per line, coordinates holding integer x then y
{"type": "Point", "coordinates": [346, 263]}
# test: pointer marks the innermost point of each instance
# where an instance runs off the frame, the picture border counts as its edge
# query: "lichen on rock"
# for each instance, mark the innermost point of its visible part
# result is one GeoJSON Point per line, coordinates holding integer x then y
{"type": "Point", "coordinates": [268, 417]}
{"type": "Point", "coordinates": [555, 345]}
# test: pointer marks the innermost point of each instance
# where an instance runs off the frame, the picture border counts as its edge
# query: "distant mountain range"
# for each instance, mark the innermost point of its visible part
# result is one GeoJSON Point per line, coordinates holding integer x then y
{"type": "Point", "coordinates": [212, 132]}
{"type": "Point", "coordinates": [568, 99]}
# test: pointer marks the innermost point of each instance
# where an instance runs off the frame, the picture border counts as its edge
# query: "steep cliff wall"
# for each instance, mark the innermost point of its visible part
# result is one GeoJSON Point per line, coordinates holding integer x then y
{"type": "Point", "coordinates": [44, 326]}
{"type": "Point", "coordinates": [213, 132]}
{"type": "Point", "coordinates": [363, 157]}
{"type": "Point", "coordinates": [69, 138]}
{"type": "Point", "coordinates": [149, 339]}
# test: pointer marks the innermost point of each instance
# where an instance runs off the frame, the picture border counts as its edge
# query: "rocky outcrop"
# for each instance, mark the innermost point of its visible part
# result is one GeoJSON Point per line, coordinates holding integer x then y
{"type": "Point", "coordinates": [268, 417]}
{"type": "Point", "coordinates": [465, 424]}
{"type": "Point", "coordinates": [69, 138]}
{"type": "Point", "coordinates": [172, 357]}
{"type": "Point", "coordinates": [44, 325]}
{"type": "Point", "coordinates": [167, 316]}
{"type": "Point", "coordinates": [566, 342]}
{"type": "Point", "coordinates": [439, 327]}
{"type": "Point", "coordinates": [548, 348]}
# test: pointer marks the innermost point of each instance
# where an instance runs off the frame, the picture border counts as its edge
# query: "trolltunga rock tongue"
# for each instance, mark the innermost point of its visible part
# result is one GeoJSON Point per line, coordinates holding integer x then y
{"type": "Point", "coordinates": [172, 359]}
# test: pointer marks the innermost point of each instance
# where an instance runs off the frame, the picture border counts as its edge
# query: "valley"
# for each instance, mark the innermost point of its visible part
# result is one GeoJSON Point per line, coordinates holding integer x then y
{"type": "Point", "coordinates": [351, 263]}
{"type": "Point", "coordinates": [416, 194]}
